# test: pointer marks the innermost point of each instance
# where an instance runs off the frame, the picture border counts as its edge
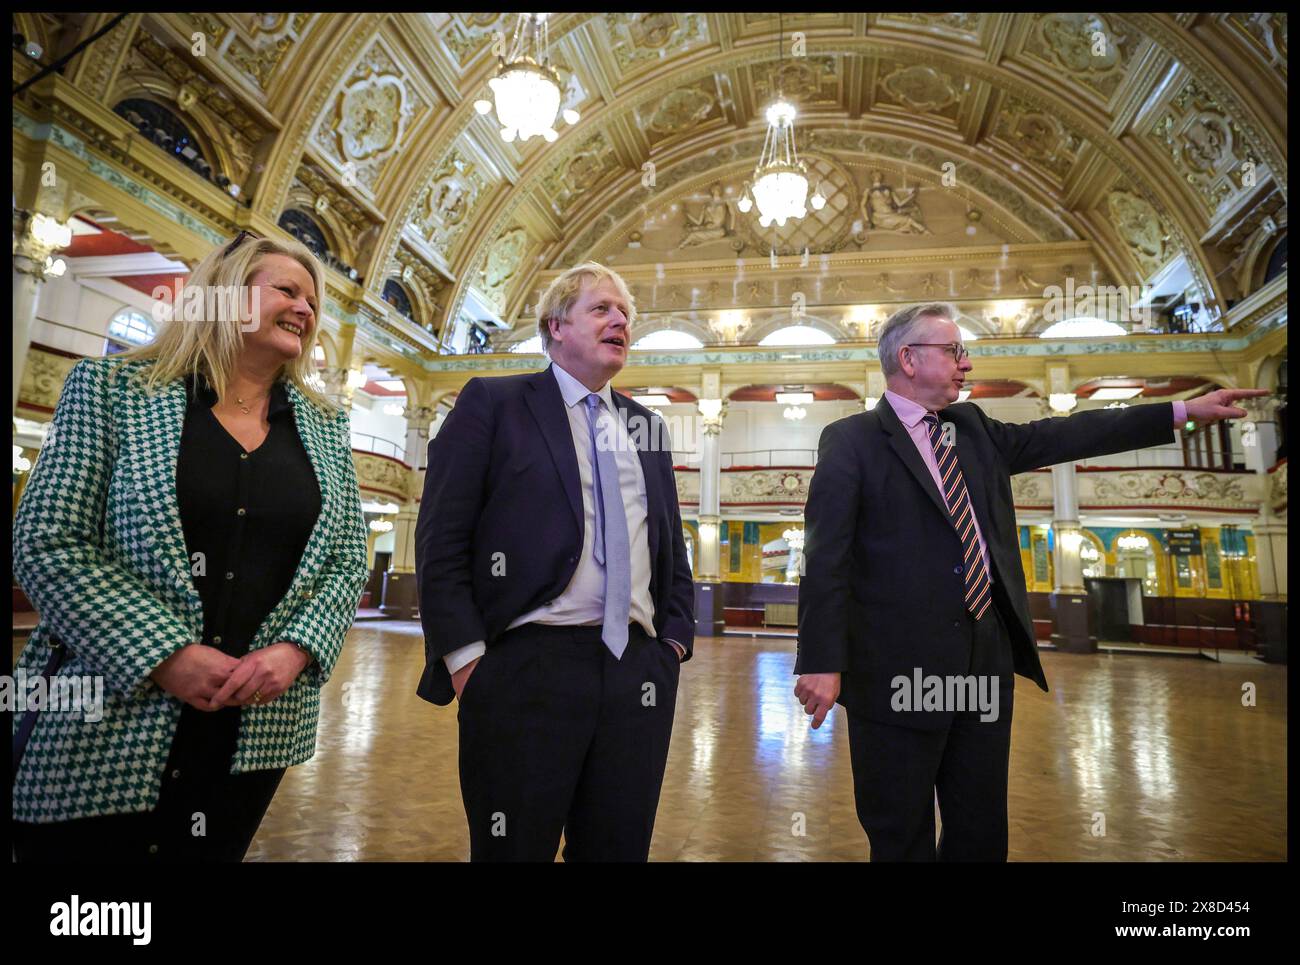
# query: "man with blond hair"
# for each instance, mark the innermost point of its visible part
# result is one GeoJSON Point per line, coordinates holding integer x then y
{"type": "Point", "coordinates": [555, 591]}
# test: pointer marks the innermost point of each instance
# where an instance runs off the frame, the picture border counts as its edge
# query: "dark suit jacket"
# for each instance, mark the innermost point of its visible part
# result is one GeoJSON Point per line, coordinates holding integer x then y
{"type": "Point", "coordinates": [503, 478]}
{"type": "Point", "coordinates": [883, 592]}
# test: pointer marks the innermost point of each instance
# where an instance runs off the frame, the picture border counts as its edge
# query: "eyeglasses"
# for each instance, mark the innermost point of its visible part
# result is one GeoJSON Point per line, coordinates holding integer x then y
{"type": "Point", "coordinates": [955, 349]}
{"type": "Point", "coordinates": [239, 238]}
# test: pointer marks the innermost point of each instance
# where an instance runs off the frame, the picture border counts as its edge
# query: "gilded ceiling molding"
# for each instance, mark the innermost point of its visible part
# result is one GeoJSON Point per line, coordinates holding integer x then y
{"type": "Point", "coordinates": [1189, 51]}
{"type": "Point", "coordinates": [614, 208]}
{"type": "Point", "coordinates": [321, 87]}
{"type": "Point", "coordinates": [95, 68]}
{"type": "Point", "coordinates": [1071, 114]}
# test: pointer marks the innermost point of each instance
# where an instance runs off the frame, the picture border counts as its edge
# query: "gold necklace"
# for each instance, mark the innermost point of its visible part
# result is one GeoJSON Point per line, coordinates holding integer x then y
{"type": "Point", "coordinates": [244, 407]}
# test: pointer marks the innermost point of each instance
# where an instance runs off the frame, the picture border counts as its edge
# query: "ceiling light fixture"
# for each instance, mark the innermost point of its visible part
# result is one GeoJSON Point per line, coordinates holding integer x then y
{"type": "Point", "coordinates": [794, 398]}
{"type": "Point", "coordinates": [779, 185]}
{"type": "Point", "coordinates": [527, 88]}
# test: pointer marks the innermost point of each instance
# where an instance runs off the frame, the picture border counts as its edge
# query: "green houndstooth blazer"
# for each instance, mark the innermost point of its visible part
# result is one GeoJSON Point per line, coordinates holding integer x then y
{"type": "Point", "coordinates": [100, 552]}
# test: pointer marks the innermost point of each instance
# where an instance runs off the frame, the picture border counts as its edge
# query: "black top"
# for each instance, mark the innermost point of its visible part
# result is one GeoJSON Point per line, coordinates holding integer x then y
{"type": "Point", "coordinates": [249, 514]}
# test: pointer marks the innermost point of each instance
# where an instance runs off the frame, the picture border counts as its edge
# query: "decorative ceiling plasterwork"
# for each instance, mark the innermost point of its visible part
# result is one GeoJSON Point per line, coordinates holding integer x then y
{"type": "Point", "coordinates": [1265, 33]}
{"type": "Point", "coordinates": [289, 148]}
{"type": "Point", "coordinates": [1081, 122]}
{"type": "Point", "coordinates": [1052, 96]}
{"type": "Point", "coordinates": [153, 70]}
{"type": "Point", "coordinates": [1205, 147]}
{"type": "Point", "coordinates": [258, 43]}
{"type": "Point", "coordinates": [371, 117]}
{"type": "Point", "coordinates": [919, 89]}
{"type": "Point", "coordinates": [1024, 221]}
{"type": "Point", "coordinates": [501, 264]}
{"type": "Point", "coordinates": [468, 34]}
{"type": "Point", "coordinates": [1172, 40]}
{"type": "Point", "coordinates": [1089, 47]}
{"type": "Point", "coordinates": [352, 227]}
{"type": "Point", "coordinates": [589, 164]}
{"type": "Point", "coordinates": [447, 206]}
{"type": "Point", "coordinates": [640, 40]}
{"type": "Point", "coordinates": [1038, 136]}
{"type": "Point", "coordinates": [1140, 226]}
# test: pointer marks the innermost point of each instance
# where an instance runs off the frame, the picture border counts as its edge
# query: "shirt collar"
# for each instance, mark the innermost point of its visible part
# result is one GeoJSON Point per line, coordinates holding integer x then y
{"type": "Point", "coordinates": [909, 413]}
{"type": "Point", "coordinates": [201, 391]}
{"type": "Point", "coordinates": [574, 391]}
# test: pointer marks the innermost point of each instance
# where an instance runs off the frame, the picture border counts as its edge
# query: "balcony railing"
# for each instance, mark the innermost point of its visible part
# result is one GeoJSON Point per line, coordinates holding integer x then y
{"type": "Point", "coordinates": [750, 458]}
{"type": "Point", "coordinates": [378, 445]}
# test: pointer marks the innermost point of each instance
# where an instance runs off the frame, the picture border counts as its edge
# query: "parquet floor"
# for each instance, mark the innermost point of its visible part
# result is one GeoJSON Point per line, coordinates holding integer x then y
{"type": "Point", "coordinates": [1156, 752]}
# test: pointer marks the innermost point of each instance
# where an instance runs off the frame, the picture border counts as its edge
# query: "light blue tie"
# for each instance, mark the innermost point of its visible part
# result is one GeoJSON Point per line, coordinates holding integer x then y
{"type": "Point", "coordinates": [610, 544]}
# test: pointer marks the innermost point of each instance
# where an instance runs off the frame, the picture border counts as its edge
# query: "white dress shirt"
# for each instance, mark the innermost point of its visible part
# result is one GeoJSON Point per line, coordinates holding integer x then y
{"type": "Point", "coordinates": [583, 601]}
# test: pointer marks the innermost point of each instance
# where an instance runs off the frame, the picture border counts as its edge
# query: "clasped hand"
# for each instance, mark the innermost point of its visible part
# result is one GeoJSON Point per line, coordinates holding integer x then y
{"type": "Point", "coordinates": [208, 679]}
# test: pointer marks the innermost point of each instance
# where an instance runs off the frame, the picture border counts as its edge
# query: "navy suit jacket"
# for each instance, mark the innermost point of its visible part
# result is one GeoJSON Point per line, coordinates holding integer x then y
{"type": "Point", "coordinates": [883, 591]}
{"type": "Point", "coordinates": [503, 478]}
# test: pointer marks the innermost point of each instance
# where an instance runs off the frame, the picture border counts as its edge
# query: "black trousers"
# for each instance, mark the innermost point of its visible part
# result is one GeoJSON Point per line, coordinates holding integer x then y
{"type": "Point", "coordinates": [897, 771]}
{"type": "Point", "coordinates": [558, 736]}
{"type": "Point", "coordinates": [204, 813]}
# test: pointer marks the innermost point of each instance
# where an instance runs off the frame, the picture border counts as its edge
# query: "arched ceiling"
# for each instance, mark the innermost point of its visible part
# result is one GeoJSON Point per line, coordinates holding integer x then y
{"type": "Point", "coordinates": [1112, 144]}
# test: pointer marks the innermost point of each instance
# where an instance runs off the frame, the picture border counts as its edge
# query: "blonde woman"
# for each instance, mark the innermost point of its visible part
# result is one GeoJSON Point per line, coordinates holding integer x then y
{"type": "Point", "coordinates": [192, 537]}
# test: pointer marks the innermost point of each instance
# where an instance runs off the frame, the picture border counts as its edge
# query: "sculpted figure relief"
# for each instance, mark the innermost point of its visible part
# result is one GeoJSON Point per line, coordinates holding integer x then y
{"type": "Point", "coordinates": [889, 210]}
{"type": "Point", "coordinates": [712, 223]}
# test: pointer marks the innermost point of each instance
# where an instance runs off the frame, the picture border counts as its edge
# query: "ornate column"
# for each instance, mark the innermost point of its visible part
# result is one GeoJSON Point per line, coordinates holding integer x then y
{"type": "Point", "coordinates": [1069, 599]}
{"type": "Point", "coordinates": [709, 619]}
{"type": "Point", "coordinates": [335, 378]}
{"type": "Point", "coordinates": [1259, 443]}
{"type": "Point", "coordinates": [1259, 433]}
{"type": "Point", "coordinates": [401, 596]}
{"type": "Point", "coordinates": [418, 419]}
{"type": "Point", "coordinates": [37, 237]}
{"type": "Point", "coordinates": [1270, 558]}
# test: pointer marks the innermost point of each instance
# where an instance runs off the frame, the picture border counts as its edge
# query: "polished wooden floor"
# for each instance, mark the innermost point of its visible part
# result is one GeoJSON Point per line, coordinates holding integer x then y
{"type": "Point", "coordinates": [1159, 749]}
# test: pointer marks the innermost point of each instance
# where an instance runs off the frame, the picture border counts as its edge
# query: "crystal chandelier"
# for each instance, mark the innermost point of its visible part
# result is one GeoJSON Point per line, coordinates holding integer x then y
{"type": "Point", "coordinates": [779, 185]}
{"type": "Point", "coordinates": [527, 88]}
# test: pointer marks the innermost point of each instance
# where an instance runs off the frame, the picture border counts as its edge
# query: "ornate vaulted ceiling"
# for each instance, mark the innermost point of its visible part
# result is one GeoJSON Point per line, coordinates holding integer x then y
{"type": "Point", "coordinates": [970, 156]}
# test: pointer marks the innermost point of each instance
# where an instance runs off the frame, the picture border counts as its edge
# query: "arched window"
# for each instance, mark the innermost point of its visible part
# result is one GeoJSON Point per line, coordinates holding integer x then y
{"type": "Point", "coordinates": [1082, 328]}
{"type": "Point", "coordinates": [666, 339]}
{"type": "Point", "coordinates": [1276, 261]}
{"type": "Point", "coordinates": [797, 335]}
{"type": "Point", "coordinates": [127, 329]}
{"type": "Point", "coordinates": [529, 346]}
{"type": "Point", "coordinates": [301, 226]}
{"type": "Point", "coordinates": [396, 296]}
{"type": "Point", "coordinates": [161, 126]}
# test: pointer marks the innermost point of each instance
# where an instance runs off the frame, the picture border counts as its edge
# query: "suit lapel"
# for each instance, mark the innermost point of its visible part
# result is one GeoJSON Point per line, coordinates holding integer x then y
{"type": "Point", "coordinates": [901, 442]}
{"type": "Point", "coordinates": [548, 408]}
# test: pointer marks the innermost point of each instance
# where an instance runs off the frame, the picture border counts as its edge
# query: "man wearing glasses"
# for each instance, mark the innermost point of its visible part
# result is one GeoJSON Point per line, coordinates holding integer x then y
{"type": "Point", "coordinates": [913, 572]}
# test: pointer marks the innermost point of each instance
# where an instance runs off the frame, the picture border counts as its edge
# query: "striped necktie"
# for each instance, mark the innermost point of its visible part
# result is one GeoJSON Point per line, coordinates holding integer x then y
{"type": "Point", "coordinates": [978, 585]}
